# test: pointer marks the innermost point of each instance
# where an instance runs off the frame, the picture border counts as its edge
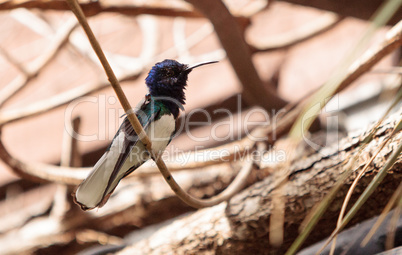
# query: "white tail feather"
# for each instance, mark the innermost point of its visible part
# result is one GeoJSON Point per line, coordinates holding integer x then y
{"type": "Point", "coordinates": [95, 189]}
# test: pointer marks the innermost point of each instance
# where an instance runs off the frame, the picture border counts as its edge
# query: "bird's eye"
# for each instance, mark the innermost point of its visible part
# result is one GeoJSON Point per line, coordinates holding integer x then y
{"type": "Point", "coordinates": [169, 72]}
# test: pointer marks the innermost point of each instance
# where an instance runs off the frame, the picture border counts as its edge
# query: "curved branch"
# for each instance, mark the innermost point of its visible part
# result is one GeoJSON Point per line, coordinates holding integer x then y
{"type": "Point", "coordinates": [72, 176]}
{"type": "Point", "coordinates": [8, 116]}
{"type": "Point", "coordinates": [238, 52]}
{"type": "Point", "coordinates": [31, 71]}
{"type": "Point", "coordinates": [184, 196]}
{"type": "Point", "coordinates": [391, 42]}
{"type": "Point", "coordinates": [39, 172]}
{"type": "Point", "coordinates": [242, 224]}
{"type": "Point", "coordinates": [91, 8]}
{"type": "Point", "coordinates": [302, 32]}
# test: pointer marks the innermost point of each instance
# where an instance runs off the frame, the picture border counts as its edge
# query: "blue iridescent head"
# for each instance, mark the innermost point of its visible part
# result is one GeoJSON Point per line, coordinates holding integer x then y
{"type": "Point", "coordinates": [169, 79]}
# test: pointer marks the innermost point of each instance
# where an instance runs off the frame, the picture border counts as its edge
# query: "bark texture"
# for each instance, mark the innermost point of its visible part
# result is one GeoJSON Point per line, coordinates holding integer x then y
{"type": "Point", "coordinates": [240, 226]}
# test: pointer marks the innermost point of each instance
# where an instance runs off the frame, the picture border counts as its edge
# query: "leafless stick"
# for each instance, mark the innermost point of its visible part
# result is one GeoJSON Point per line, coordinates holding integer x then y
{"type": "Point", "coordinates": [72, 176]}
{"type": "Point", "coordinates": [92, 8]}
{"type": "Point", "coordinates": [31, 71]}
{"type": "Point", "coordinates": [301, 33]}
{"type": "Point", "coordinates": [195, 202]}
{"type": "Point", "coordinates": [391, 42]}
{"type": "Point", "coordinates": [41, 172]}
{"type": "Point", "coordinates": [363, 171]}
{"type": "Point", "coordinates": [132, 8]}
{"type": "Point", "coordinates": [13, 61]}
{"type": "Point", "coordinates": [231, 37]}
{"type": "Point", "coordinates": [69, 150]}
{"type": "Point", "coordinates": [50, 103]}
{"type": "Point", "coordinates": [45, 172]}
{"type": "Point", "coordinates": [8, 116]}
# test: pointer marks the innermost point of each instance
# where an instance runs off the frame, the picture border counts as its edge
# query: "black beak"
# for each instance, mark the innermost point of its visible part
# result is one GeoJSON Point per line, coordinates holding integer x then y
{"type": "Point", "coordinates": [189, 69]}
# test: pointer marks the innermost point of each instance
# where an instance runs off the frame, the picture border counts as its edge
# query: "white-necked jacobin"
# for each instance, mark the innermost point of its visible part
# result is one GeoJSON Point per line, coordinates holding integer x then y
{"type": "Point", "coordinates": [157, 114]}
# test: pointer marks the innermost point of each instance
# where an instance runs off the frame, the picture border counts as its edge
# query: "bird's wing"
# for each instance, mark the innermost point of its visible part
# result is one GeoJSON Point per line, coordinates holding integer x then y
{"type": "Point", "coordinates": [95, 190]}
{"type": "Point", "coordinates": [130, 140]}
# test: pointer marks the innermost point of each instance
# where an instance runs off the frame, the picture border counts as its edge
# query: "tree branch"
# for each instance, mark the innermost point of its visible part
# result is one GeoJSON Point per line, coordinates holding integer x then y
{"type": "Point", "coordinates": [91, 8]}
{"type": "Point", "coordinates": [31, 71]}
{"type": "Point", "coordinates": [241, 225]}
{"type": "Point", "coordinates": [238, 52]}
{"type": "Point", "coordinates": [185, 197]}
{"type": "Point", "coordinates": [301, 33]}
{"type": "Point", "coordinates": [45, 172]}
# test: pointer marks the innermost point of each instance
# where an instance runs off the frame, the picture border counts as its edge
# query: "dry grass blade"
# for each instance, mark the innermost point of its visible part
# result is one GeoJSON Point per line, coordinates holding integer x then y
{"type": "Point", "coordinates": [394, 199]}
{"type": "Point", "coordinates": [336, 83]}
{"type": "Point", "coordinates": [389, 242]}
{"type": "Point", "coordinates": [311, 219]}
{"type": "Point", "coordinates": [369, 190]}
{"type": "Point", "coordinates": [46, 172]}
{"type": "Point", "coordinates": [277, 219]}
{"type": "Point", "coordinates": [68, 153]}
{"type": "Point", "coordinates": [352, 188]}
{"type": "Point", "coordinates": [363, 171]}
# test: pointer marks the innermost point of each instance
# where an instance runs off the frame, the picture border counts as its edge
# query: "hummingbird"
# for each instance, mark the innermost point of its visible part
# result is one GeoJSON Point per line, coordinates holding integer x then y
{"type": "Point", "coordinates": [157, 113]}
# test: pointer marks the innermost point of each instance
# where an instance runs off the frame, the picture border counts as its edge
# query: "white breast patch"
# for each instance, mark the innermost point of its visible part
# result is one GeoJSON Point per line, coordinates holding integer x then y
{"type": "Point", "coordinates": [160, 131]}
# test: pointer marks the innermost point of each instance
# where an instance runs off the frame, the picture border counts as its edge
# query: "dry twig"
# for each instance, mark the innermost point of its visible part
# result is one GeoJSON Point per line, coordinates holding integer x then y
{"type": "Point", "coordinates": [46, 172]}
{"type": "Point", "coordinates": [289, 38]}
{"type": "Point", "coordinates": [238, 52]}
{"type": "Point", "coordinates": [33, 70]}
{"type": "Point", "coordinates": [92, 8]}
{"type": "Point", "coordinates": [192, 201]}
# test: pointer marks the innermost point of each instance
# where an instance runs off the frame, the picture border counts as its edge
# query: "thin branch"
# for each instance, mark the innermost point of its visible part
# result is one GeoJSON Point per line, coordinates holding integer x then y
{"type": "Point", "coordinates": [185, 197]}
{"type": "Point", "coordinates": [32, 70]}
{"type": "Point", "coordinates": [366, 194]}
{"type": "Point", "coordinates": [39, 172]}
{"type": "Point", "coordinates": [360, 9]}
{"type": "Point", "coordinates": [301, 33]}
{"type": "Point", "coordinates": [89, 235]}
{"type": "Point", "coordinates": [72, 176]}
{"type": "Point", "coordinates": [45, 172]}
{"type": "Point", "coordinates": [68, 152]}
{"type": "Point", "coordinates": [231, 37]}
{"type": "Point", "coordinates": [134, 8]}
{"type": "Point", "coordinates": [9, 116]}
{"type": "Point", "coordinates": [13, 61]}
{"type": "Point", "coordinates": [363, 171]}
{"type": "Point", "coordinates": [242, 224]}
{"type": "Point", "coordinates": [391, 42]}
{"type": "Point", "coordinates": [91, 8]}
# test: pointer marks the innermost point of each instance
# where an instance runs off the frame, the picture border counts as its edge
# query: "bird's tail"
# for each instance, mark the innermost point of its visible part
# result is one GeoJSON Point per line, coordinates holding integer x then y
{"type": "Point", "coordinates": [95, 190]}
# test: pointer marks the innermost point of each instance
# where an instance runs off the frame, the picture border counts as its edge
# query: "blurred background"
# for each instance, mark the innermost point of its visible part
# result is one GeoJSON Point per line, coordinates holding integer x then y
{"type": "Point", "coordinates": [270, 54]}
